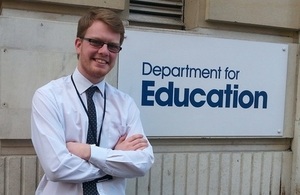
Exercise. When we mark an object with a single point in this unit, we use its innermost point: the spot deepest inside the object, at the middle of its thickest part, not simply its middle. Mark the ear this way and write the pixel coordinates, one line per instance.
(78, 43)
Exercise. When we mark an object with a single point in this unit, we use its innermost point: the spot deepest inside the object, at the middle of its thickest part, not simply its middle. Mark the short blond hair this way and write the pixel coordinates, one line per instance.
(107, 16)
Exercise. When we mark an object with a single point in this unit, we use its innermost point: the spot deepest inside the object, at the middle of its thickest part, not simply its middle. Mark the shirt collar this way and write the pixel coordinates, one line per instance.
(83, 83)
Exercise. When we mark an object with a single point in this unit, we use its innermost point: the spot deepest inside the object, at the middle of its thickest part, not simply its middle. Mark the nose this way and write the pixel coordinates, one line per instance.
(103, 49)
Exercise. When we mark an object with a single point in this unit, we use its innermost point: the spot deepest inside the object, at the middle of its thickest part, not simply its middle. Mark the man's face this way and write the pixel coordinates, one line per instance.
(94, 61)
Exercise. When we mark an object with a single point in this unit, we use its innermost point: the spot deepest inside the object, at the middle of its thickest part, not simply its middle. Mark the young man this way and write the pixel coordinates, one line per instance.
(64, 121)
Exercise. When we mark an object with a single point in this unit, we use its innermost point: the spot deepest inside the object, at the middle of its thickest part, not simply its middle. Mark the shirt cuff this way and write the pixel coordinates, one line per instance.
(98, 157)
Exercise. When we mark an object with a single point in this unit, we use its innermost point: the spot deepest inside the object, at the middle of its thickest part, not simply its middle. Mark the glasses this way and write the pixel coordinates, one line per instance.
(112, 47)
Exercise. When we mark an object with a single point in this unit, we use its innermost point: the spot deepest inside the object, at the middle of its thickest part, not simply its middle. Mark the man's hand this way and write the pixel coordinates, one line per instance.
(81, 150)
(134, 142)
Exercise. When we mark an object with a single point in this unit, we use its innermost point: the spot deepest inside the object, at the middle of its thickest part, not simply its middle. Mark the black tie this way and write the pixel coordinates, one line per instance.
(90, 188)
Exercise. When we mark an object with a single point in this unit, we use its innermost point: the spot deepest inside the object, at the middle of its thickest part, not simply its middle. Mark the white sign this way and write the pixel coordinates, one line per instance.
(191, 85)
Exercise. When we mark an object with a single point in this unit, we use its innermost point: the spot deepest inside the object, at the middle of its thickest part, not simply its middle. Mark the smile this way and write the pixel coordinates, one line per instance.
(101, 61)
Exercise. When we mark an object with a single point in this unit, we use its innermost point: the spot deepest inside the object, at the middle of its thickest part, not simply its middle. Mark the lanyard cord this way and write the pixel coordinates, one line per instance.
(104, 109)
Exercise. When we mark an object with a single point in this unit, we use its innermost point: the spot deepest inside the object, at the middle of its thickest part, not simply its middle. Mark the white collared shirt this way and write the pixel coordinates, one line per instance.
(59, 117)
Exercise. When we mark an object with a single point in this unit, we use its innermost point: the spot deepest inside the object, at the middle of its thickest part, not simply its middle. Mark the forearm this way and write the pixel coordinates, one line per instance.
(131, 157)
(119, 163)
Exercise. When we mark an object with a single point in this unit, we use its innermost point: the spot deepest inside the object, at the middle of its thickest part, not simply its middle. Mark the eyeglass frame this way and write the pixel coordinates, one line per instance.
(98, 43)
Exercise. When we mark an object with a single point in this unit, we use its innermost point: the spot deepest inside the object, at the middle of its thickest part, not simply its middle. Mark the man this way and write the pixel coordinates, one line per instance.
(66, 117)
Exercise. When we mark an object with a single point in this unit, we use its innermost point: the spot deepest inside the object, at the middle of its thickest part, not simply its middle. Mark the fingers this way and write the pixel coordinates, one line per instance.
(141, 146)
(122, 138)
(119, 145)
(135, 137)
(134, 142)
(138, 142)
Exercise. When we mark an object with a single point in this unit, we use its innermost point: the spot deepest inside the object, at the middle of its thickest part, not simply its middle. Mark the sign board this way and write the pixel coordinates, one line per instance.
(192, 85)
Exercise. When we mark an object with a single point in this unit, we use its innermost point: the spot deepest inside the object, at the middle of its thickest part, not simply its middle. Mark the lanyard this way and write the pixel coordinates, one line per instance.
(104, 109)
